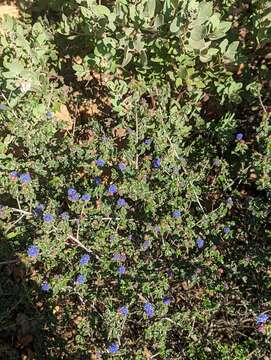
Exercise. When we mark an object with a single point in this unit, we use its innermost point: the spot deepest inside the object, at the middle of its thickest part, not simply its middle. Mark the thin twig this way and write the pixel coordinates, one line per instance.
(15, 222)
(261, 102)
(7, 262)
(21, 211)
(13, 112)
(136, 161)
(82, 245)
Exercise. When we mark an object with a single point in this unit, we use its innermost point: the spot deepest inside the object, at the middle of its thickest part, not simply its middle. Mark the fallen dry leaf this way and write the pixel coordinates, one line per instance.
(119, 132)
(147, 353)
(10, 10)
(24, 341)
(64, 116)
(89, 107)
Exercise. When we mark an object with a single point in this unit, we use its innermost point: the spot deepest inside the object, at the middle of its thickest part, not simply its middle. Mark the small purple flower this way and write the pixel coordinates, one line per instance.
(239, 136)
(85, 197)
(112, 189)
(113, 348)
(216, 162)
(64, 216)
(48, 217)
(50, 114)
(73, 195)
(14, 175)
(119, 257)
(176, 213)
(146, 244)
(149, 309)
(157, 229)
(122, 270)
(123, 310)
(97, 180)
(262, 319)
(200, 243)
(33, 251)
(45, 287)
(121, 166)
(3, 107)
(25, 178)
(226, 230)
(112, 237)
(156, 163)
(121, 202)
(166, 300)
(80, 279)
(84, 260)
(100, 162)
(147, 141)
(38, 209)
(71, 192)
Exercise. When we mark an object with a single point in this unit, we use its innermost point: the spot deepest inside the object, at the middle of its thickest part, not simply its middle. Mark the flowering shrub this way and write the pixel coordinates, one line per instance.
(141, 222)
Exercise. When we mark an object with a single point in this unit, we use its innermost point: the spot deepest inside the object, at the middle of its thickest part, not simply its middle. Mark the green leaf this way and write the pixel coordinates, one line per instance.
(100, 10)
(12, 235)
(150, 8)
(175, 25)
(223, 45)
(205, 10)
(197, 33)
(229, 55)
(139, 44)
(197, 44)
(127, 57)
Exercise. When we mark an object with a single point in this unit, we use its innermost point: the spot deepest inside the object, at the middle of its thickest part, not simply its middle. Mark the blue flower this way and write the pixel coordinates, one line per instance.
(3, 107)
(121, 166)
(112, 237)
(38, 209)
(64, 216)
(176, 213)
(80, 279)
(71, 192)
(50, 114)
(226, 230)
(113, 348)
(25, 178)
(262, 319)
(119, 257)
(45, 287)
(73, 195)
(200, 243)
(48, 217)
(239, 136)
(14, 175)
(147, 141)
(123, 310)
(166, 300)
(149, 309)
(122, 270)
(112, 189)
(157, 229)
(84, 259)
(85, 197)
(156, 163)
(100, 162)
(33, 251)
(121, 202)
(146, 244)
(97, 180)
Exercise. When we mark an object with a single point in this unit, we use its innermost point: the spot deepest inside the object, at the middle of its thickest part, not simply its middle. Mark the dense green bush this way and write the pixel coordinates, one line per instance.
(135, 178)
